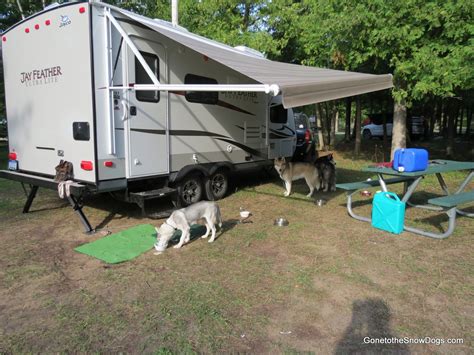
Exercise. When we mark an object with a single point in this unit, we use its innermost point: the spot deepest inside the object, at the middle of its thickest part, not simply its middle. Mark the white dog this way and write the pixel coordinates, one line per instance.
(183, 219)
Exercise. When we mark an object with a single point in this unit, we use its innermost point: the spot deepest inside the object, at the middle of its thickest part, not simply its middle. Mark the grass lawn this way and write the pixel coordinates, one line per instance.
(321, 285)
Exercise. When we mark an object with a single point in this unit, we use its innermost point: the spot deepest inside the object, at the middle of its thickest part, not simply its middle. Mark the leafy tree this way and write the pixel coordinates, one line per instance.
(427, 45)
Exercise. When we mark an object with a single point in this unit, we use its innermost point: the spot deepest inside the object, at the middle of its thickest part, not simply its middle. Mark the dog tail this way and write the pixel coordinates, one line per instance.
(219, 217)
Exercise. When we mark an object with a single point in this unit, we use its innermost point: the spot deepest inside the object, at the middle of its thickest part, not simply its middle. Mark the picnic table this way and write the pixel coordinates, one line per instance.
(447, 204)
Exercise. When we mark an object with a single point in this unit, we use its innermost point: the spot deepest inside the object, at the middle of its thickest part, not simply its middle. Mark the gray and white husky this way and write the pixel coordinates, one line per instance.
(183, 218)
(290, 172)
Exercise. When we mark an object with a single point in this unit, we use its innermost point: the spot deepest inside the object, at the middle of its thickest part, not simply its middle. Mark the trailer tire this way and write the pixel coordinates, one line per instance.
(217, 185)
(189, 190)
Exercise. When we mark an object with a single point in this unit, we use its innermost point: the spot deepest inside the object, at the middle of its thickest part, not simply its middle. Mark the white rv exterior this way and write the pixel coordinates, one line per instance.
(61, 67)
(147, 108)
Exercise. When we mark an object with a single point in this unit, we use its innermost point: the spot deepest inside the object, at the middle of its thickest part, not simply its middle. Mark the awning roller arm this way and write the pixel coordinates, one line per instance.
(268, 89)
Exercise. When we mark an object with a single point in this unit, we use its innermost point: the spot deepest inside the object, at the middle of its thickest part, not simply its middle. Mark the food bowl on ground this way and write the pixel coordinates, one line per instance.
(320, 202)
(244, 214)
(281, 222)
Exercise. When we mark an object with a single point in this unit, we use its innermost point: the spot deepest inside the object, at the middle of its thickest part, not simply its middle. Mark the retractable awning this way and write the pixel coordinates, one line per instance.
(299, 85)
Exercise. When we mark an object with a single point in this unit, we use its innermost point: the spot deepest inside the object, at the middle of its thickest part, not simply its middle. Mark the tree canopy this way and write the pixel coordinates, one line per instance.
(428, 45)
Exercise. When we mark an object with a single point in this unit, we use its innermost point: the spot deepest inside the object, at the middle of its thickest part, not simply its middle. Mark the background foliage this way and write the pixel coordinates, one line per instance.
(428, 46)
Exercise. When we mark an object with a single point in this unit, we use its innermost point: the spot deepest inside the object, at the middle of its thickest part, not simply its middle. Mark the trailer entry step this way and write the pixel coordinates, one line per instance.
(140, 197)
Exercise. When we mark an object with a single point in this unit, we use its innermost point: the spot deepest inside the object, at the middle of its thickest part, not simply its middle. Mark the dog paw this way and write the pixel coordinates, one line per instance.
(157, 253)
(204, 236)
(210, 240)
(177, 246)
(286, 194)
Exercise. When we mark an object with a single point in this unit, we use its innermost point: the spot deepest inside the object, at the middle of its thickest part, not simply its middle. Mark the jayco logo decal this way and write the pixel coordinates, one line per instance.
(64, 21)
(41, 76)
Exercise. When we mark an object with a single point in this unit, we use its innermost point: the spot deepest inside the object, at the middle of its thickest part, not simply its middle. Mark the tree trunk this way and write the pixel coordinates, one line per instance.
(335, 118)
(451, 132)
(436, 117)
(347, 131)
(328, 120)
(20, 9)
(385, 140)
(443, 127)
(319, 127)
(468, 123)
(323, 121)
(461, 117)
(357, 128)
(399, 127)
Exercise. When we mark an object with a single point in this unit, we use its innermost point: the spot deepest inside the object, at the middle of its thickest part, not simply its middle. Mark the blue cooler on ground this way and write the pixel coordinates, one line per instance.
(388, 212)
(410, 159)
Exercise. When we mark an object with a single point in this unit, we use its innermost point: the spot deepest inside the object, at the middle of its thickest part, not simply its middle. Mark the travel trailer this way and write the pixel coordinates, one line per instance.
(144, 108)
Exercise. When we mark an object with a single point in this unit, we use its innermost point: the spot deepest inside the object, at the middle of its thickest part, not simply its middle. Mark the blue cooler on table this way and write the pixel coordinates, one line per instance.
(410, 159)
(388, 212)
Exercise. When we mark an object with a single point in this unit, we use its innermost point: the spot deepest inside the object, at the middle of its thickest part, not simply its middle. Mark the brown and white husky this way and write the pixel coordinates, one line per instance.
(290, 172)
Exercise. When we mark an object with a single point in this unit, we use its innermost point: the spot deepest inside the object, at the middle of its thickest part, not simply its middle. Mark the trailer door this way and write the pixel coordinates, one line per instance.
(147, 123)
(282, 135)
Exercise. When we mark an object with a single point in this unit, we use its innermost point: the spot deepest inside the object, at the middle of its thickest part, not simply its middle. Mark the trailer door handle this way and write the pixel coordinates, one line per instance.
(124, 110)
(133, 110)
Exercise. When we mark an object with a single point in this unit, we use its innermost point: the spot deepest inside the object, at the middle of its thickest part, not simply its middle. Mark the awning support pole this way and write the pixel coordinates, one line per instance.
(133, 48)
(110, 112)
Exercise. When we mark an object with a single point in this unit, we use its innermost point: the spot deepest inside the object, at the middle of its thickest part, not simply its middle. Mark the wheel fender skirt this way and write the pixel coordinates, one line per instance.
(186, 170)
(221, 165)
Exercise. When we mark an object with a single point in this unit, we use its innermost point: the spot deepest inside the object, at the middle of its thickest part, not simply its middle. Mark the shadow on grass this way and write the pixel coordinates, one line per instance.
(370, 323)
(198, 230)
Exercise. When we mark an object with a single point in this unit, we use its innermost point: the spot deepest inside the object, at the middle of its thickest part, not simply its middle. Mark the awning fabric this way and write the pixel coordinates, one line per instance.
(299, 85)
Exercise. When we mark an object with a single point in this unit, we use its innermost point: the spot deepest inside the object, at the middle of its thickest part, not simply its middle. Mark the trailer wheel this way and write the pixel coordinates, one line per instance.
(217, 185)
(190, 191)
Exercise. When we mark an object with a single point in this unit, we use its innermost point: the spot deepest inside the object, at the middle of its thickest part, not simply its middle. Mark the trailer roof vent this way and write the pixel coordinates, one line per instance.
(169, 24)
(51, 6)
(250, 51)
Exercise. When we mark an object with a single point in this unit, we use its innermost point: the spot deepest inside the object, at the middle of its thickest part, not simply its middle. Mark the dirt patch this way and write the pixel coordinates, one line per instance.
(321, 284)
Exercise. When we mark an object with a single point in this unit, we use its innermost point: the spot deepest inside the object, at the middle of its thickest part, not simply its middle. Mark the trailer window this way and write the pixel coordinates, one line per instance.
(81, 131)
(278, 114)
(141, 77)
(201, 97)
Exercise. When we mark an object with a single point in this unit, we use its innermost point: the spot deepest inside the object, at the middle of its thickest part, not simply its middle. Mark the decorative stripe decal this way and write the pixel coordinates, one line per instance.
(219, 103)
(288, 128)
(177, 132)
(232, 107)
(191, 133)
(279, 134)
(45, 148)
(243, 147)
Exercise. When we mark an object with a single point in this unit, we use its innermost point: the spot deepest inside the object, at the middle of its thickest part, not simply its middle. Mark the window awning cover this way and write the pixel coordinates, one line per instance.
(299, 85)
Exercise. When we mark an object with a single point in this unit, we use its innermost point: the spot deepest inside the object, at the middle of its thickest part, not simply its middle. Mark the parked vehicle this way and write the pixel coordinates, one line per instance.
(143, 108)
(305, 142)
(375, 130)
(417, 126)
(373, 126)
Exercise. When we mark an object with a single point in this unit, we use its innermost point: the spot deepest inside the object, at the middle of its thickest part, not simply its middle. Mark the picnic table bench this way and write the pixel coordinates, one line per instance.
(447, 204)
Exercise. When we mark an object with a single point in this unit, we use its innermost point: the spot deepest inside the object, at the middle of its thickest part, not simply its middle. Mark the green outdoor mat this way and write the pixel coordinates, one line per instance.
(121, 246)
